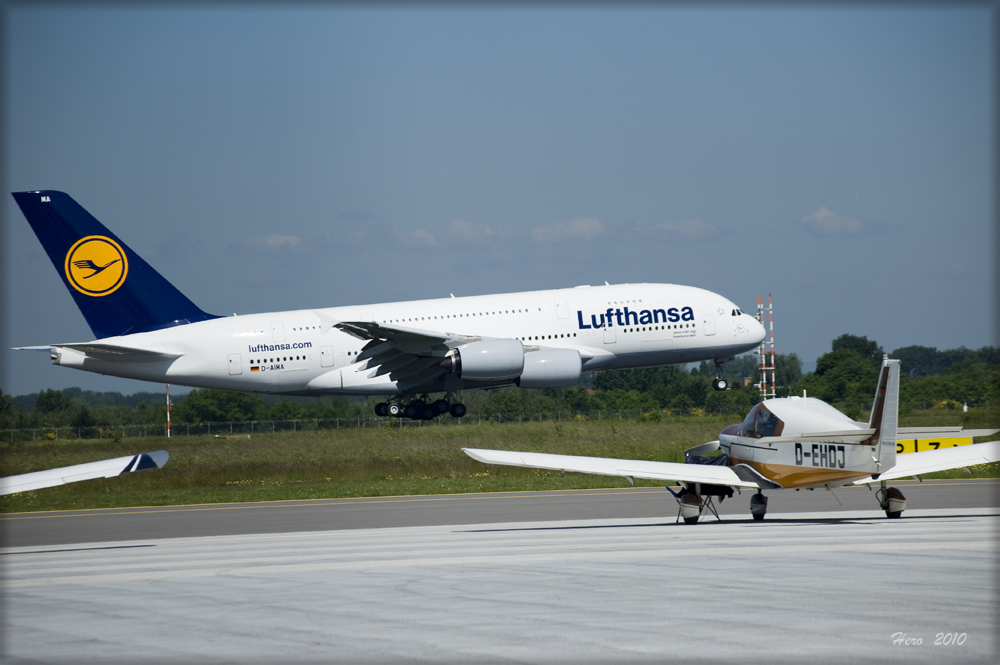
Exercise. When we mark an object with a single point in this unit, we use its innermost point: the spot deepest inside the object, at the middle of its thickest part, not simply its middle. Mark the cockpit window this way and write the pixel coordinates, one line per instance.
(747, 428)
(760, 422)
(768, 424)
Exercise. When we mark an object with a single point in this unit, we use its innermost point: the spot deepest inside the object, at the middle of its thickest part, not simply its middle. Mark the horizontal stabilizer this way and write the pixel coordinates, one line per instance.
(119, 352)
(929, 461)
(905, 433)
(691, 473)
(71, 474)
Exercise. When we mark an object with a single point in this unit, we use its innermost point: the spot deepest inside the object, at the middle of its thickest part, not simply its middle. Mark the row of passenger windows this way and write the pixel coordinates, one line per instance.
(457, 316)
(261, 361)
(673, 327)
(529, 338)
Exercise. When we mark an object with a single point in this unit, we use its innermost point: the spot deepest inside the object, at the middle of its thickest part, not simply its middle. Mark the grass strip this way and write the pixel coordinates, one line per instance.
(386, 461)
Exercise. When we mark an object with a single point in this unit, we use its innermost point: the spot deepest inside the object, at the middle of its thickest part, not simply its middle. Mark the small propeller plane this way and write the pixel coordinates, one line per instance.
(784, 443)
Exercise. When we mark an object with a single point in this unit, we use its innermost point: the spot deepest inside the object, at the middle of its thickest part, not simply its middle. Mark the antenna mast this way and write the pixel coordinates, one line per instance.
(767, 389)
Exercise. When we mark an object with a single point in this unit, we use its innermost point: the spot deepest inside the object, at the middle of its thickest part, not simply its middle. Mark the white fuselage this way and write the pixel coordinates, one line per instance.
(298, 352)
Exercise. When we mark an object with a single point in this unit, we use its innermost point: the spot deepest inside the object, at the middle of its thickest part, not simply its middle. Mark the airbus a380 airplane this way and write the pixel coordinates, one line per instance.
(146, 329)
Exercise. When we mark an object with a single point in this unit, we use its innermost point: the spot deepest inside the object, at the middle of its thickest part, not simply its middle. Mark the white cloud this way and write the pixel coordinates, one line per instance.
(416, 238)
(577, 229)
(826, 222)
(477, 233)
(275, 241)
(688, 229)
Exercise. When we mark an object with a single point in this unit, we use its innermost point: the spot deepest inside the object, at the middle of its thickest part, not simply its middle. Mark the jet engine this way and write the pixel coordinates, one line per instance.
(551, 368)
(488, 360)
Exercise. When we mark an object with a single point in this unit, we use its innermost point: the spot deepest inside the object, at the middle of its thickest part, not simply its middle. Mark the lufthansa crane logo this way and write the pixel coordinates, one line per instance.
(96, 265)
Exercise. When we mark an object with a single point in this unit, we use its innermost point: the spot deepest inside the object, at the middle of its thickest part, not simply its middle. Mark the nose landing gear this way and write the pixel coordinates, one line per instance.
(719, 383)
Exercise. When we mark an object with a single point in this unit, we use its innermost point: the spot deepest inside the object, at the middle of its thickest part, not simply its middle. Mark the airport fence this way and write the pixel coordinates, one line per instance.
(238, 428)
(249, 427)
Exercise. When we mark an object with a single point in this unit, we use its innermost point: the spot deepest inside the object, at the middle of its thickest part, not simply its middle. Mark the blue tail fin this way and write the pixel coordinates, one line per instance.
(117, 292)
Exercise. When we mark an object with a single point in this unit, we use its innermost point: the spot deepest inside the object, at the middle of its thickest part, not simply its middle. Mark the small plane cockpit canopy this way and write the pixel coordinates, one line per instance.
(760, 422)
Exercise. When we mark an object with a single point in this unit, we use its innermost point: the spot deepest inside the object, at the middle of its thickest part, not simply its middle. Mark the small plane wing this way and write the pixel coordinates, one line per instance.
(70, 474)
(914, 464)
(602, 466)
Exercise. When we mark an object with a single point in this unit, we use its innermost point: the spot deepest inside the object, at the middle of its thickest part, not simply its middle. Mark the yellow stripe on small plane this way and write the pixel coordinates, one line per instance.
(921, 445)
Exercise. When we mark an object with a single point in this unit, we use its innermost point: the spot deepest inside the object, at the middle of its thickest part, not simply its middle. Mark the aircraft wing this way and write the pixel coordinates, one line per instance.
(603, 466)
(408, 355)
(914, 464)
(70, 474)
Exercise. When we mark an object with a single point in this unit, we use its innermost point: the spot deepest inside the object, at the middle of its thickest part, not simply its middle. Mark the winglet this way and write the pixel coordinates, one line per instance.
(70, 474)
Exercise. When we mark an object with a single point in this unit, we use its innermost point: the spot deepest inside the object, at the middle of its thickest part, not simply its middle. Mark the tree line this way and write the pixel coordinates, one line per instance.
(844, 377)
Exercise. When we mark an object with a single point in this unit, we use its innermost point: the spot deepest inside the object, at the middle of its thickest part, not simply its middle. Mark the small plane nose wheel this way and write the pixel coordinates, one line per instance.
(891, 500)
(758, 506)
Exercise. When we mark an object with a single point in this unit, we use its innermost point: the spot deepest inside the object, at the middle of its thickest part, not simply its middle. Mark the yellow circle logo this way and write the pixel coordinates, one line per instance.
(96, 266)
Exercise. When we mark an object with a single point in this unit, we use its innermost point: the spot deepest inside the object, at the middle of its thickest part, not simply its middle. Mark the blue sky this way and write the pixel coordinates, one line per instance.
(264, 158)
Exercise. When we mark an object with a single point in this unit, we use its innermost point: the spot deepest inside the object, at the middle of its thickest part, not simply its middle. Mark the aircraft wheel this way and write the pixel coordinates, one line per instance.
(410, 410)
(893, 514)
(441, 406)
(758, 506)
(720, 384)
(430, 413)
(691, 520)
(381, 409)
(457, 410)
(396, 410)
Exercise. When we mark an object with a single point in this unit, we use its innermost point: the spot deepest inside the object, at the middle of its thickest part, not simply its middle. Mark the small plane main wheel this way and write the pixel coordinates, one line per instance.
(457, 410)
(893, 514)
(758, 506)
(441, 406)
(720, 384)
(691, 520)
(381, 409)
(396, 410)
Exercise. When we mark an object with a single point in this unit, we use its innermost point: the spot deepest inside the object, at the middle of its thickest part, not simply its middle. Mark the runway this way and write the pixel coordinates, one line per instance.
(86, 526)
(831, 586)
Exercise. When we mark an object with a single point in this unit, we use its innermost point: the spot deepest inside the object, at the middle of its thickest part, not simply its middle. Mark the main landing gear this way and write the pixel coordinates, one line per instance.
(891, 500)
(695, 498)
(758, 506)
(420, 409)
